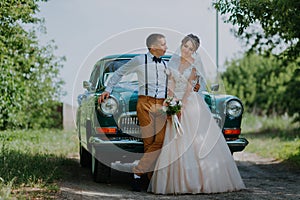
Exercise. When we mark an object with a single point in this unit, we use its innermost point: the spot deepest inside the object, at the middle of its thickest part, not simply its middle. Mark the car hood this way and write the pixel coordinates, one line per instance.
(127, 97)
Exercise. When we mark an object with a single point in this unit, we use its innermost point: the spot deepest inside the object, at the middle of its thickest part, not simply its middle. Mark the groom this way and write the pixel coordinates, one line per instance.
(150, 69)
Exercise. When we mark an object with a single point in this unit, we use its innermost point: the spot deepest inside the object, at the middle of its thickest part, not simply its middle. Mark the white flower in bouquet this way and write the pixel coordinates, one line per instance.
(164, 108)
(172, 106)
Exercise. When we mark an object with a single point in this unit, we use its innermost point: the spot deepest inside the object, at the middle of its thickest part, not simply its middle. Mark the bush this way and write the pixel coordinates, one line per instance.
(266, 85)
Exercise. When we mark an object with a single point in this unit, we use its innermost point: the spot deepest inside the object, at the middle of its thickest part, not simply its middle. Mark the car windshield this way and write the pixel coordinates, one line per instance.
(111, 66)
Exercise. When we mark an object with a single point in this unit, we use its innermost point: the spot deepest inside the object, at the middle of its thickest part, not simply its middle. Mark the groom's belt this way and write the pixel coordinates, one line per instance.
(144, 97)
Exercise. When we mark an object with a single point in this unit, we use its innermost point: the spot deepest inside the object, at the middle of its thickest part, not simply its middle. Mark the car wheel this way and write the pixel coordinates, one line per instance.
(85, 158)
(100, 172)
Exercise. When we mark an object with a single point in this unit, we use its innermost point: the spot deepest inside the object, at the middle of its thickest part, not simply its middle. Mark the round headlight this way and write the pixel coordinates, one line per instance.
(109, 106)
(234, 108)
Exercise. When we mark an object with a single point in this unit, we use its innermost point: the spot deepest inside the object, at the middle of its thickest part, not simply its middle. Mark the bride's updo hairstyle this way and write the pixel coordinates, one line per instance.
(193, 38)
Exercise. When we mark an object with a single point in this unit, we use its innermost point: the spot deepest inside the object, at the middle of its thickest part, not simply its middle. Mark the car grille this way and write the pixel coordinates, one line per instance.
(128, 123)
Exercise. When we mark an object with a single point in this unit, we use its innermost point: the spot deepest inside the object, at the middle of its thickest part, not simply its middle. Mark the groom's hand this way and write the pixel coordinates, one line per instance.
(103, 96)
(196, 87)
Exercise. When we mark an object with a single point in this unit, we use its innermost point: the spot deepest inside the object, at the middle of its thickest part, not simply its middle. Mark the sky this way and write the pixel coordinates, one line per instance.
(86, 30)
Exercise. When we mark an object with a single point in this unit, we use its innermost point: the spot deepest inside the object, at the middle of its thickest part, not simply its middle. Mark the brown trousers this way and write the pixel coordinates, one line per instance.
(153, 125)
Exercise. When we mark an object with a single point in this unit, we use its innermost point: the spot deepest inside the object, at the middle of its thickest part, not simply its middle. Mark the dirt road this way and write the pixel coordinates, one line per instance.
(264, 178)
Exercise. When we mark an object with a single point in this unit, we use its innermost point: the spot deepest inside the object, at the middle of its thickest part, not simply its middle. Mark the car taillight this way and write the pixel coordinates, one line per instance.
(106, 130)
(235, 131)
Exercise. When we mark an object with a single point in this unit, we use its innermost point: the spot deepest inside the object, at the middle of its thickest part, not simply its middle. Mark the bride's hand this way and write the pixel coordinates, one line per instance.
(196, 87)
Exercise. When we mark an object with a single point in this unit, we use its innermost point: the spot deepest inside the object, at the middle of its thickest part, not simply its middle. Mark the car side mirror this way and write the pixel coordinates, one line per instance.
(214, 87)
(87, 85)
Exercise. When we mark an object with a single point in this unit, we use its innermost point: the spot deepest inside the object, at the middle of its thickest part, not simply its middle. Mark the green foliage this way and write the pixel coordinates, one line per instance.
(34, 159)
(293, 95)
(265, 85)
(269, 28)
(267, 25)
(5, 189)
(30, 83)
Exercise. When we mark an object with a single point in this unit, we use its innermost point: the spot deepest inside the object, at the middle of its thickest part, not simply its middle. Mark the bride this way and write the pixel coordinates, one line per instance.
(196, 159)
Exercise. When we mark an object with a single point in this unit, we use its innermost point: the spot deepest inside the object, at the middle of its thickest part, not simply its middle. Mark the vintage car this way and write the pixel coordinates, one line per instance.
(109, 132)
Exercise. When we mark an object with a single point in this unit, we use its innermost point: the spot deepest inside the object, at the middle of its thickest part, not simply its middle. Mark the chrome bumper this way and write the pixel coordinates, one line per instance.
(96, 140)
(237, 145)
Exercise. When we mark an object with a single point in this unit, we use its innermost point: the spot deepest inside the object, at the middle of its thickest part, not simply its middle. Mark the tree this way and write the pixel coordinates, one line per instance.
(30, 83)
(269, 26)
(293, 95)
(264, 85)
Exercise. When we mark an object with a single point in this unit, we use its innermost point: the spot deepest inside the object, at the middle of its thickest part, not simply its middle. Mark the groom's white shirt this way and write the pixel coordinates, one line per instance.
(156, 75)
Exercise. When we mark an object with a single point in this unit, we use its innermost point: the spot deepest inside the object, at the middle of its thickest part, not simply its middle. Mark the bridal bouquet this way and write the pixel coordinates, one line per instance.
(172, 107)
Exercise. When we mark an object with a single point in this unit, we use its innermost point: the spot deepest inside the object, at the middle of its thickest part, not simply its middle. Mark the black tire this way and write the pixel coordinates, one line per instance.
(100, 172)
(85, 158)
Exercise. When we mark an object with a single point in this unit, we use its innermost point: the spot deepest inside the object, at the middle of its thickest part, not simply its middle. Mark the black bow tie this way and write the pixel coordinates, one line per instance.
(155, 59)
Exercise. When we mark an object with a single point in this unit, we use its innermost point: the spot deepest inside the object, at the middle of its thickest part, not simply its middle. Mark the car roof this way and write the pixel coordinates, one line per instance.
(124, 56)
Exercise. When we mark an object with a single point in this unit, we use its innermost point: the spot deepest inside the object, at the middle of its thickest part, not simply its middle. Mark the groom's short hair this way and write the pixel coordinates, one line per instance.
(153, 38)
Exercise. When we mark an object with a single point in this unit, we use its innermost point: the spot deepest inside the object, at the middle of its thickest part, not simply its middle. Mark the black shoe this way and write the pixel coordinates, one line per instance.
(136, 184)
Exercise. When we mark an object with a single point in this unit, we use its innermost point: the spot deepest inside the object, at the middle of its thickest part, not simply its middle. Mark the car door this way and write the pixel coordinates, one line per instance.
(87, 106)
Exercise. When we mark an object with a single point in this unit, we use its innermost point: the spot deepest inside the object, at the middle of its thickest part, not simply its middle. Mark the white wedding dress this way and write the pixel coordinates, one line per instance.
(199, 160)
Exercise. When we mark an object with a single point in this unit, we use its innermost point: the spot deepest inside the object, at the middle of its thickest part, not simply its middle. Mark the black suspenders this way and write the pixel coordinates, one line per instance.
(166, 89)
(146, 78)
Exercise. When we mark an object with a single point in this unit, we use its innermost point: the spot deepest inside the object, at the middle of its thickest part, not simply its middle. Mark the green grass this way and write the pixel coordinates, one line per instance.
(275, 137)
(32, 162)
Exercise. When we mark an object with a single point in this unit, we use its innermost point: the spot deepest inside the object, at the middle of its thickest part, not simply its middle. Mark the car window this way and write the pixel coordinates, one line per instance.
(113, 65)
(95, 76)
